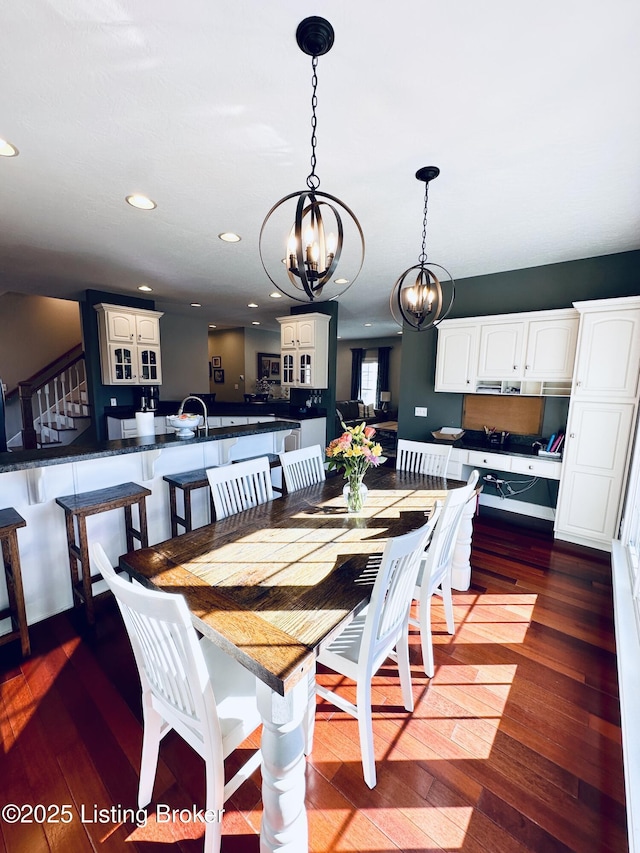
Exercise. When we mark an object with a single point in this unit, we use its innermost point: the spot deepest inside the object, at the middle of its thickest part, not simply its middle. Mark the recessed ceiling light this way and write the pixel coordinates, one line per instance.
(140, 201)
(342, 281)
(275, 295)
(7, 149)
(251, 305)
(255, 322)
(368, 324)
(212, 326)
(196, 304)
(229, 237)
(145, 287)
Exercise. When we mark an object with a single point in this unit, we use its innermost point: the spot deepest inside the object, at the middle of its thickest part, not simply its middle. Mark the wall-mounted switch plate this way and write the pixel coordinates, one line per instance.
(420, 411)
(236, 386)
(114, 402)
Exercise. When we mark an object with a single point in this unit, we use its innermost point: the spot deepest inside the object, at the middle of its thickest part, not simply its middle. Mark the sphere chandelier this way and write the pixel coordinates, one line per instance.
(424, 300)
(316, 231)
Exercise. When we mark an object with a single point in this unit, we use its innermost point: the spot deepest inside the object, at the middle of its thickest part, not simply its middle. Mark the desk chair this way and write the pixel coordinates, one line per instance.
(361, 648)
(419, 457)
(190, 686)
(302, 467)
(434, 574)
(240, 486)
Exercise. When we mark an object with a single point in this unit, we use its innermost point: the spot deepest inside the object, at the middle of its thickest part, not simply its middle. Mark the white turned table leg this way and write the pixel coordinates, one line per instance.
(461, 564)
(284, 817)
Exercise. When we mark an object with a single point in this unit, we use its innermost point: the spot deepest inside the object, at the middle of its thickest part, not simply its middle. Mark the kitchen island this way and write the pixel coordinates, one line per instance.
(31, 480)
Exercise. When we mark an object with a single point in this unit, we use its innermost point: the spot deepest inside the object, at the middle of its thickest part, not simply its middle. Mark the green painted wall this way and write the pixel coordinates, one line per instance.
(533, 289)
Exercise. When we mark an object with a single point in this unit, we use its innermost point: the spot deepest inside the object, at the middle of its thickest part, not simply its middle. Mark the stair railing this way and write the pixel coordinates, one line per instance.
(49, 388)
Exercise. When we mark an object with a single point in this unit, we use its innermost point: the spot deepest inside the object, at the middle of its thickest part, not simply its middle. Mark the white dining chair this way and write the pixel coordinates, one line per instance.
(189, 686)
(240, 486)
(420, 457)
(434, 574)
(361, 648)
(302, 467)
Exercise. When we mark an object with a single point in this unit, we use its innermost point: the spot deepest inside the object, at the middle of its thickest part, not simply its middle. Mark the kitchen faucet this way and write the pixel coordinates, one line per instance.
(204, 408)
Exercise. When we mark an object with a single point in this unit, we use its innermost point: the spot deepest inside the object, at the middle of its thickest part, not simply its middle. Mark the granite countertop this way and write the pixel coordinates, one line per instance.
(24, 459)
(515, 445)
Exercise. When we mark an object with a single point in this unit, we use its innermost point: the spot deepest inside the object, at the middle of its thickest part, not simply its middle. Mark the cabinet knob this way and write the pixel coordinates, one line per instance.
(515, 366)
(578, 384)
(527, 367)
(572, 435)
(468, 382)
(531, 467)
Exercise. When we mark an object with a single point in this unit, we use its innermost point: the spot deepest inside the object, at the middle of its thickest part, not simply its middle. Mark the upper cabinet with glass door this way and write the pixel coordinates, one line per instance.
(129, 345)
(304, 341)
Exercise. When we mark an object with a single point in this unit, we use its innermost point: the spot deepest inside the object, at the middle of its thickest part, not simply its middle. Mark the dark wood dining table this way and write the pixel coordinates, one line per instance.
(272, 586)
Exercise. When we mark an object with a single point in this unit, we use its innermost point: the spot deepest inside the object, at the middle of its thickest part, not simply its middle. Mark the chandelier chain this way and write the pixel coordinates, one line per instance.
(313, 181)
(423, 254)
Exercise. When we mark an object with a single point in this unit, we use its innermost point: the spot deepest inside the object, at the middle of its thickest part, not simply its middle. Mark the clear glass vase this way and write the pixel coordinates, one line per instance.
(355, 493)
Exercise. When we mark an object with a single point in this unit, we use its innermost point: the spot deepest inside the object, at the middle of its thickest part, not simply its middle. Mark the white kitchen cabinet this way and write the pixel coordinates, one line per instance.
(501, 350)
(551, 349)
(529, 354)
(602, 418)
(609, 355)
(594, 463)
(129, 345)
(457, 358)
(304, 340)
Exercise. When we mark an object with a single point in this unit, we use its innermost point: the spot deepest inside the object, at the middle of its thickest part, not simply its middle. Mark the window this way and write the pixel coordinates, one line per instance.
(369, 381)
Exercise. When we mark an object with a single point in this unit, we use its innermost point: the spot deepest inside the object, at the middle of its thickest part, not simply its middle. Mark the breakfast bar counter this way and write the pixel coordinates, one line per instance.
(31, 480)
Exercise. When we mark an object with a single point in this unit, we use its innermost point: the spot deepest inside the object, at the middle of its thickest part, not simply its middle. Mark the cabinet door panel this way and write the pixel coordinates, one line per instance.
(551, 349)
(456, 359)
(288, 335)
(306, 333)
(147, 330)
(122, 365)
(593, 469)
(120, 326)
(609, 355)
(501, 349)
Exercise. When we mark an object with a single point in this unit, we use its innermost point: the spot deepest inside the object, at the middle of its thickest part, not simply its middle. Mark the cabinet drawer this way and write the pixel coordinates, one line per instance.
(547, 468)
(479, 459)
(232, 421)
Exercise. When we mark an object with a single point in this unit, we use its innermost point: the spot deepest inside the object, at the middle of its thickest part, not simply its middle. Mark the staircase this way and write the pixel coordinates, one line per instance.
(54, 404)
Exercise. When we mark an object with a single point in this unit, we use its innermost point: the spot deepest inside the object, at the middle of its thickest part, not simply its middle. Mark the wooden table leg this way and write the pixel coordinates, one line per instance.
(284, 818)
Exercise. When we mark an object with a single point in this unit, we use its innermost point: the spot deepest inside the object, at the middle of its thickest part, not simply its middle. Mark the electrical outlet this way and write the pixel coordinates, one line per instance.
(420, 411)
(114, 402)
(236, 386)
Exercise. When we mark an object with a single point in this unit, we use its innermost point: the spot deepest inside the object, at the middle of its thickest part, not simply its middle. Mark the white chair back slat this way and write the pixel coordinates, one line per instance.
(181, 678)
(303, 467)
(419, 457)
(240, 486)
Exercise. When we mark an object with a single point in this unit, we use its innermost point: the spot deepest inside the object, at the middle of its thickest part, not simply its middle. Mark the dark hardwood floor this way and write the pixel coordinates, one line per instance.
(514, 745)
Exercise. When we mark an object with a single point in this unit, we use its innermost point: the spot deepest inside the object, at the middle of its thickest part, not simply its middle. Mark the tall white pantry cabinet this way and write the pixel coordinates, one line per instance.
(602, 418)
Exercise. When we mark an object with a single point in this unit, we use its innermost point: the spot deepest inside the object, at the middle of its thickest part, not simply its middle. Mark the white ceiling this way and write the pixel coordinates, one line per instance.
(530, 111)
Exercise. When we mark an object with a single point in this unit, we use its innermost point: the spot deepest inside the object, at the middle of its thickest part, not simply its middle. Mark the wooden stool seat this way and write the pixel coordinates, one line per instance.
(187, 481)
(10, 521)
(78, 507)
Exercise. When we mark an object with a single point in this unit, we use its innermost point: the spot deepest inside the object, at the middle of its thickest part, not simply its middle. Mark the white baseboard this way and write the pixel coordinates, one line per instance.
(548, 513)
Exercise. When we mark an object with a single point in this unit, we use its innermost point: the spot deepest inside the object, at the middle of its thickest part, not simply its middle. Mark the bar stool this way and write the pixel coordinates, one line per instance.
(78, 507)
(10, 521)
(187, 481)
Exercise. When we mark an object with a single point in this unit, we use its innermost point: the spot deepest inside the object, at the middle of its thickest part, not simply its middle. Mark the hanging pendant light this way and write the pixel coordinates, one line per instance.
(316, 231)
(424, 300)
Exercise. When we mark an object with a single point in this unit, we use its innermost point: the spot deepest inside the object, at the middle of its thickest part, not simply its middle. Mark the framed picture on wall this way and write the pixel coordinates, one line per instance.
(269, 367)
(218, 375)
(216, 361)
